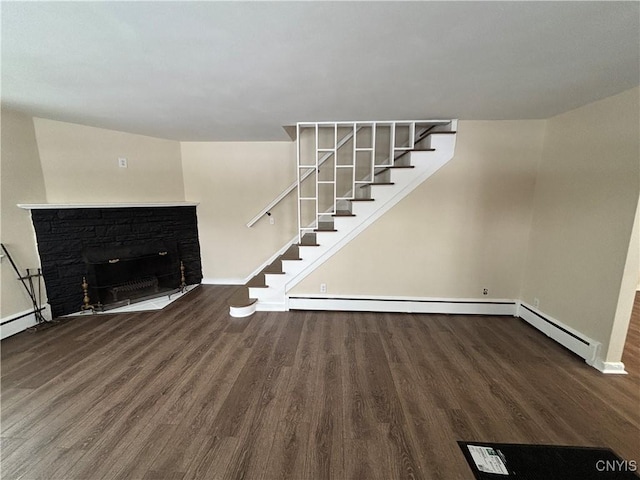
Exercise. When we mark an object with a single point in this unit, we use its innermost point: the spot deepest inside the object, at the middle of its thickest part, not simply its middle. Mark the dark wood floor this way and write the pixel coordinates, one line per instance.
(631, 354)
(191, 393)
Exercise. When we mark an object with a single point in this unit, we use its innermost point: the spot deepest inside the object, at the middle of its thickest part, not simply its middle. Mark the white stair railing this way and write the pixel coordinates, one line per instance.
(294, 185)
(373, 145)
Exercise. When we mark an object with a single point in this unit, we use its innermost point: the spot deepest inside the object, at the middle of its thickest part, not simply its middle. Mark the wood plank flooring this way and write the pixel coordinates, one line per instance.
(631, 353)
(191, 393)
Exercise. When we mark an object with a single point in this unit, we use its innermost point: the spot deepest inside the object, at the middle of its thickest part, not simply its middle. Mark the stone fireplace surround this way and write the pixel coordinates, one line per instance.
(64, 234)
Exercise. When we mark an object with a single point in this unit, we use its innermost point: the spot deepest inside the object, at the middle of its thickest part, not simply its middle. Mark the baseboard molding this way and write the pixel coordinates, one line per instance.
(270, 307)
(402, 304)
(20, 321)
(570, 338)
(223, 281)
(610, 368)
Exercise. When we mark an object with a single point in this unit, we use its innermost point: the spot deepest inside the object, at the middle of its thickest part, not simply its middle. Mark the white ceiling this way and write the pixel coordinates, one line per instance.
(241, 71)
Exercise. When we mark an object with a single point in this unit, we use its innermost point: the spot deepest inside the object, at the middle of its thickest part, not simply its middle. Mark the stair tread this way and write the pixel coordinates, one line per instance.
(308, 240)
(273, 267)
(377, 183)
(291, 253)
(256, 282)
(240, 298)
(414, 150)
(343, 213)
(325, 226)
(394, 166)
(383, 169)
(273, 271)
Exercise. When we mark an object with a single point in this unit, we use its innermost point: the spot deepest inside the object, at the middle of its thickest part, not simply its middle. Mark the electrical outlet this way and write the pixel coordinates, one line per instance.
(323, 288)
(485, 291)
(122, 162)
(536, 303)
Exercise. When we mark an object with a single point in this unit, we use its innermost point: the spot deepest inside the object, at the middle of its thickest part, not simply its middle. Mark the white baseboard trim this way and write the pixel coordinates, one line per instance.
(270, 307)
(610, 368)
(223, 281)
(403, 304)
(20, 321)
(568, 337)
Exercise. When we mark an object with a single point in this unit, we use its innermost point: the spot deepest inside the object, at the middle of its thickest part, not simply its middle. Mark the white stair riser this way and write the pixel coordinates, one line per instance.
(325, 237)
(309, 253)
(267, 294)
(292, 266)
(400, 175)
(340, 223)
(440, 142)
(275, 280)
(271, 306)
(366, 208)
(240, 312)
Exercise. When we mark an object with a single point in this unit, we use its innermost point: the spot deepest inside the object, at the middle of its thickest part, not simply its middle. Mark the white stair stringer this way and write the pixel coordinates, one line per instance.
(426, 163)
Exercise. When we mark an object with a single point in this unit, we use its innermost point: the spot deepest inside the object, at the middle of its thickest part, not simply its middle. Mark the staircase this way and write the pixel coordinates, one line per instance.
(349, 175)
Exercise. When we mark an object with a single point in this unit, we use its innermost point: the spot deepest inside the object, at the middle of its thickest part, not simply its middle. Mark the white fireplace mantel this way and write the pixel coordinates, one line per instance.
(50, 206)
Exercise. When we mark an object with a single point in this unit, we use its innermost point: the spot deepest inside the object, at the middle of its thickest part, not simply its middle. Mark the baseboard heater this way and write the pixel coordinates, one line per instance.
(404, 305)
(22, 315)
(564, 335)
(20, 321)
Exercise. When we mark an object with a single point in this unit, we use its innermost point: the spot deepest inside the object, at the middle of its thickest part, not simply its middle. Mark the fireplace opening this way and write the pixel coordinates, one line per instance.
(121, 275)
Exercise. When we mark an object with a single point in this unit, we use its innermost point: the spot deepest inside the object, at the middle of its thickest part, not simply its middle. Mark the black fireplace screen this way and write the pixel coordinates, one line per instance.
(126, 273)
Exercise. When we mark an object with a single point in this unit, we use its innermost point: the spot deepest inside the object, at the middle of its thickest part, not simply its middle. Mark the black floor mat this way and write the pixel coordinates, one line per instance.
(546, 462)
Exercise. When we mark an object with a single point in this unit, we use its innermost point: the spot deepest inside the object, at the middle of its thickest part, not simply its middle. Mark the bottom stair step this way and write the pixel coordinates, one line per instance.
(240, 298)
(240, 305)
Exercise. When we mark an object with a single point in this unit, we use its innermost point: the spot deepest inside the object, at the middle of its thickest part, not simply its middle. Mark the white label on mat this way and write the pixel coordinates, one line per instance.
(487, 460)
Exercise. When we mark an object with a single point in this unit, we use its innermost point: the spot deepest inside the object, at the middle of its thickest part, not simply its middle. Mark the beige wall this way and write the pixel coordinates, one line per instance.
(80, 165)
(21, 182)
(585, 200)
(626, 295)
(233, 181)
(462, 230)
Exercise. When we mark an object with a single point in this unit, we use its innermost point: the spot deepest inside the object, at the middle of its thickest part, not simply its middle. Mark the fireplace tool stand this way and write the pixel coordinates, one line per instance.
(36, 300)
(86, 301)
